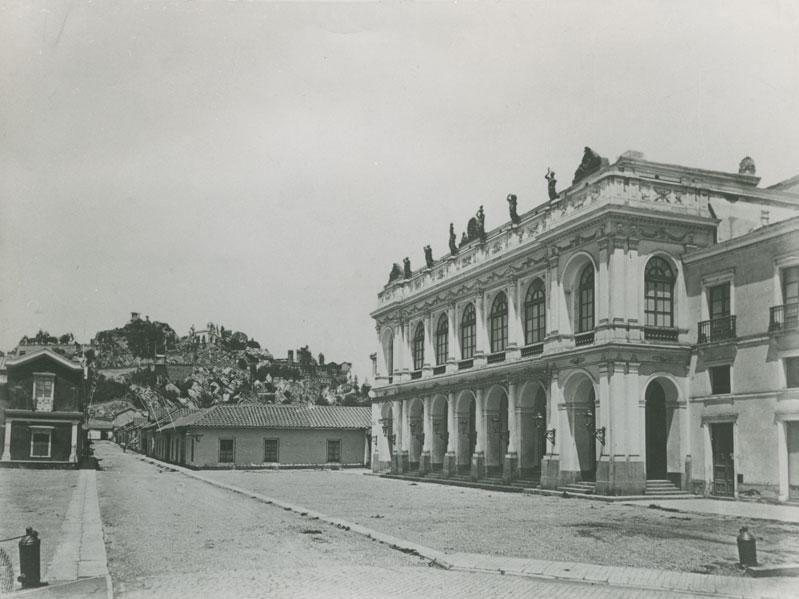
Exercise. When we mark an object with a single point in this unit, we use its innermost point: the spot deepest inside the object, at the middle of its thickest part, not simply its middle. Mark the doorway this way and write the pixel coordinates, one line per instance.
(656, 432)
(792, 436)
(722, 446)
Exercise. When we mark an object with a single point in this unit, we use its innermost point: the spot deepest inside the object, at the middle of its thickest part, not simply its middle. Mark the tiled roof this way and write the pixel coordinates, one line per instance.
(100, 425)
(280, 417)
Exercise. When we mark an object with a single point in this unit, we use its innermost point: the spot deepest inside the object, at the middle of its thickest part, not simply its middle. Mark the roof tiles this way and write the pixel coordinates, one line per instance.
(279, 417)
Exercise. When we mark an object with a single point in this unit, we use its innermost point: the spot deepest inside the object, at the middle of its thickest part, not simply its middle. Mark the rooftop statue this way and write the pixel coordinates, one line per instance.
(591, 163)
(464, 240)
(746, 166)
(396, 273)
(407, 267)
(428, 256)
(551, 182)
(514, 216)
(453, 247)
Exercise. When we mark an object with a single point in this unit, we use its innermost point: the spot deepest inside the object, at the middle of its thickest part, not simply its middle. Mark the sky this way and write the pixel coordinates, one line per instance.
(262, 165)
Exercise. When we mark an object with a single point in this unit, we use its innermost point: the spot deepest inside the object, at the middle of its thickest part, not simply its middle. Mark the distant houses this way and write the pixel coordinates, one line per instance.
(42, 411)
(258, 436)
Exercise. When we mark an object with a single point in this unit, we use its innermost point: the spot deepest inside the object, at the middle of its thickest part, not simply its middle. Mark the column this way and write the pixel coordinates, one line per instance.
(7, 443)
(481, 338)
(452, 339)
(603, 291)
(396, 425)
(427, 445)
(478, 458)
(429, 352)
(449, 458)
(73, 449)
(510, 470)
(635, 430)
(604, 476)
(407, 439)
(634, 291)
(618, 283)
(396, 339)
(554, 301)
(515, 330)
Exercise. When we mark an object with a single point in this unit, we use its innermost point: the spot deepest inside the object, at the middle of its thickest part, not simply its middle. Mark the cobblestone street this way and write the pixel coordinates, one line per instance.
(474, 520)
(169, 535)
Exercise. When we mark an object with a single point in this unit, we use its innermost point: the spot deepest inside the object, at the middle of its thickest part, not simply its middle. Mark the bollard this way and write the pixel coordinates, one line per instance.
(747, 548)
(29, 570)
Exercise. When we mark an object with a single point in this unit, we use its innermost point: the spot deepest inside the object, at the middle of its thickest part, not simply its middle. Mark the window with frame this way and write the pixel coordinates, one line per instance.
(499, 323)
(720, 380)
(535, 313)
(442, 340)
(390, 357)
(585, 300)
(271, 447)
(41, 443)
(334, 450)
(659, 293)
(43, 392)
(790, 285)
(418, 347)
(468, 332)
(226, 451)
(718, 301)
(792, 372)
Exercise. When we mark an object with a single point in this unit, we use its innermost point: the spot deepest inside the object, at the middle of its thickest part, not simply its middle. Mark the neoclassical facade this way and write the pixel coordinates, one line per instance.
(561, 348)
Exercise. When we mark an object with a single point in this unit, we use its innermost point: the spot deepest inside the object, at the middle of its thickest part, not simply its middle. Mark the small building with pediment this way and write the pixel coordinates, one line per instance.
(634, 334)
(43, 415)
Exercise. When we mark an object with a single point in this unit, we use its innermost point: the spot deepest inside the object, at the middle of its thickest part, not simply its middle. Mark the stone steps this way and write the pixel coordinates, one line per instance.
(582, 488)
(662, 487)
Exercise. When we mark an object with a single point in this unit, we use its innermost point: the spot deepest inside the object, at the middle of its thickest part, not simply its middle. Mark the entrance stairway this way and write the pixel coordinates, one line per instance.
(663, 487)
(582, 488)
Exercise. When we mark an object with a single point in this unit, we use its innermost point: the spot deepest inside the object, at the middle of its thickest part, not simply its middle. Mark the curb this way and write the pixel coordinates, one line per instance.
(635, 578)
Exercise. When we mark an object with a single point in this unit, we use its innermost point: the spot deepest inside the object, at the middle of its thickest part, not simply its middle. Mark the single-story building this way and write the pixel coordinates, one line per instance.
(99, 429)
(42, 416)
(252, 436)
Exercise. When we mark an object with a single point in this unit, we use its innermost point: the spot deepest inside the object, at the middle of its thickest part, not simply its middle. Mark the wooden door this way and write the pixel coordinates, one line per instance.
(721, 440)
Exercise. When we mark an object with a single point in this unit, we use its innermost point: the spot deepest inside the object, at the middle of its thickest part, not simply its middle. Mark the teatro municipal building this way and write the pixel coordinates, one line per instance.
(635, 333)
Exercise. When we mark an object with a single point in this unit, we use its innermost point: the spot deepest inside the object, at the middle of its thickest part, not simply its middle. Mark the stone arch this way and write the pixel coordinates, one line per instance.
(387, 358)
(569, 280)
(496, 434)
(581, 395)
(416, 431)
(439, 406)
(662, 435)
(465, 430)
(532, 421)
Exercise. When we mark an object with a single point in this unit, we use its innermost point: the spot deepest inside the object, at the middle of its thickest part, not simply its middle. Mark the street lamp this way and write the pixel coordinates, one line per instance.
(540, 423)
(597, 433)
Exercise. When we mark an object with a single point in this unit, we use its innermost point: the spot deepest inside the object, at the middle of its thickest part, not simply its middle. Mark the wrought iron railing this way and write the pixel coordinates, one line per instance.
(416, 374)
(495, 357)
(717, 329)
(584, 338)
(532, 350)
(465, 364)
(783, 317)
(440, 369)
(661, 333)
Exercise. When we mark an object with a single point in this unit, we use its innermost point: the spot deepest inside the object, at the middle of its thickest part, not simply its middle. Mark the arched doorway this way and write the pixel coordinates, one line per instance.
(497, 436)
(656, 432)
(440, 433)
(582, 413)
(466, 430)
(416, 442)
(532, 420)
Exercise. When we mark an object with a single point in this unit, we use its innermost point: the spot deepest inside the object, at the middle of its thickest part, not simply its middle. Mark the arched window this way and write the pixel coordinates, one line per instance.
(585, 300)
(388, 353)
(535, 313)
(442, 340)
(499, 323)
(659, 293)
(418, 347)
(468, 332)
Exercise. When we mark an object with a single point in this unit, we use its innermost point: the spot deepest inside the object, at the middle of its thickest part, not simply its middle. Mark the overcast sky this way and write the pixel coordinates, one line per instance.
(261, 165)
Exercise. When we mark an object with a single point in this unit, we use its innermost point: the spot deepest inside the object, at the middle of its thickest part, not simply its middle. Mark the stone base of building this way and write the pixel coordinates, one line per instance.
(381, 466)
(414, 466)
(425, 463)
(510, 469)
(450, 467)
(478, 465)
(405, 463)
(623, 477)
(550, 473)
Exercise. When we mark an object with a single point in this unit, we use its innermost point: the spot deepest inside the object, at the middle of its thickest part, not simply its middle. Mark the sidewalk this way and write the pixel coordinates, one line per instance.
(638, 578)
(79, 567)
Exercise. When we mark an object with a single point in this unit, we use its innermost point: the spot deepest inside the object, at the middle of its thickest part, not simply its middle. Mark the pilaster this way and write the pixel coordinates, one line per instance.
(427, 443)
(450, 464)
(510, 470)
(7, 443)
(478, 457)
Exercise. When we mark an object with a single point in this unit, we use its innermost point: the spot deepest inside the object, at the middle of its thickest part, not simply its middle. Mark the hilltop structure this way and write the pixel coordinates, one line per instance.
(637, 332)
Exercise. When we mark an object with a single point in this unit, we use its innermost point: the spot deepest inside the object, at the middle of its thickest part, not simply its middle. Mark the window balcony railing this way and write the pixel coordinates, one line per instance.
(440, 369)
(532, 350)
(465, 364)
(495, 357)
(718, 329)
(416, 374)
(584, 338)
(783, 317)
(661, 334)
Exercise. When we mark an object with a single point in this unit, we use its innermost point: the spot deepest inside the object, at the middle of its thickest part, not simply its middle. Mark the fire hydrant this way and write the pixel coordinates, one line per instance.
(747, 548)
(29, 570)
